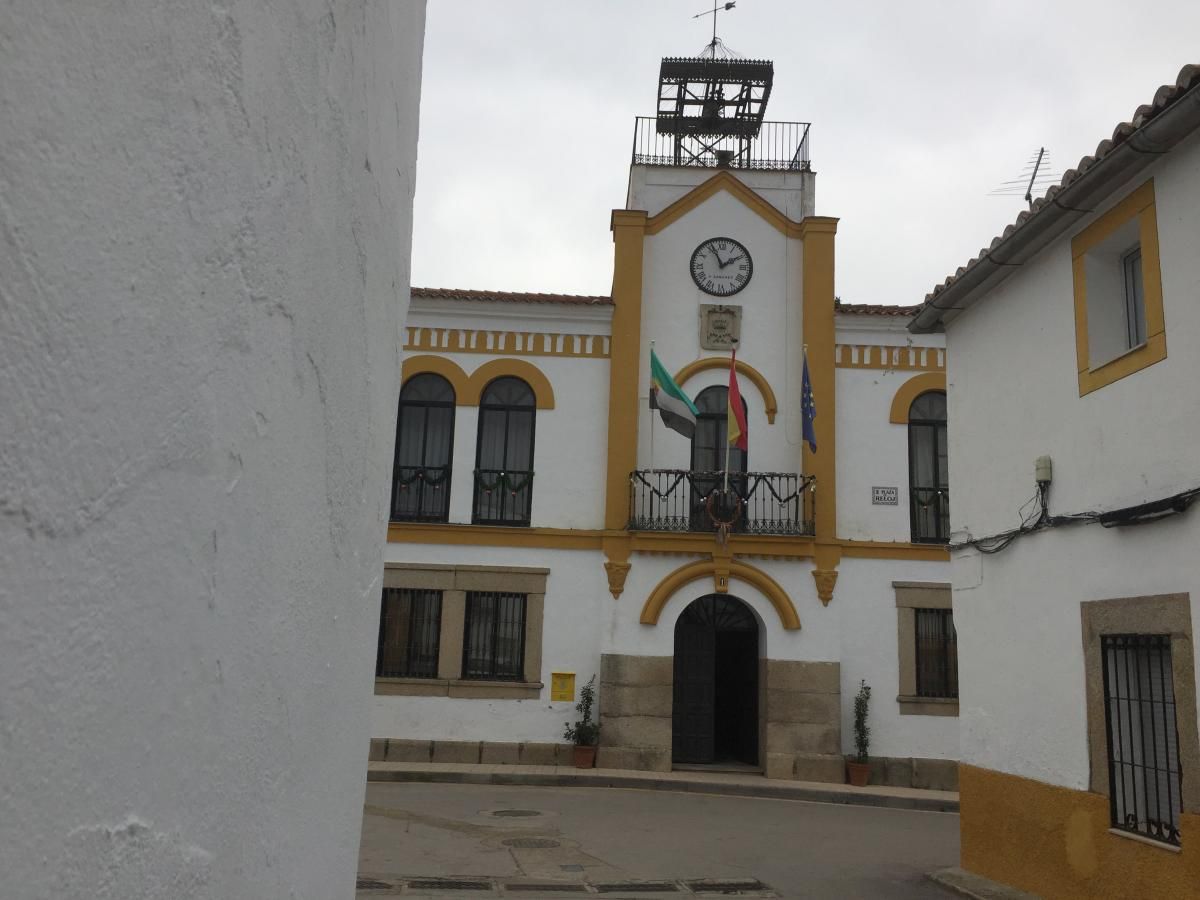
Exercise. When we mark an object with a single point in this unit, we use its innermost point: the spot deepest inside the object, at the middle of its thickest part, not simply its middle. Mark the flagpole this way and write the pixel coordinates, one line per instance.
(728, 409)
(651, 415)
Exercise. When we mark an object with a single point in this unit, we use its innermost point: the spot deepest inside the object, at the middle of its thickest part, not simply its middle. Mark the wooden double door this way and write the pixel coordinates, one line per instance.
(715, 713)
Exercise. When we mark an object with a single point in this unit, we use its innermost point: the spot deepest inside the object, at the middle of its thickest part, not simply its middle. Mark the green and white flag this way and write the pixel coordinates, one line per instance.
(676, 408)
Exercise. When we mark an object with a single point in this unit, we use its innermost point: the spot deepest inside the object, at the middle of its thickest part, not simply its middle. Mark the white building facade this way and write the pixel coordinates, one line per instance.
(547, 526)
(1074, 337)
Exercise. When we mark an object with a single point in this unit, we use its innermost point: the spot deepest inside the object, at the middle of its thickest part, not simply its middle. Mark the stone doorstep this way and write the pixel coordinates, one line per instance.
(968, 884)
(726, 784)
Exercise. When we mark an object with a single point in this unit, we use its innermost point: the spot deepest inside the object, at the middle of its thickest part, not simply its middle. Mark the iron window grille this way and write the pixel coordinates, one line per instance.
(504, 454)
(424, 444)
(937, 654)
(494, 636)
(1143, 741)
(409, 633)
(929, 488)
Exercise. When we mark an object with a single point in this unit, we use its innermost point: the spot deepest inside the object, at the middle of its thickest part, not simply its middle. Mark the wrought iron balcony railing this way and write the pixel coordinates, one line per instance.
(421, 494)
(755, 503)
(502, 497)
(780, 146)
(930, 512)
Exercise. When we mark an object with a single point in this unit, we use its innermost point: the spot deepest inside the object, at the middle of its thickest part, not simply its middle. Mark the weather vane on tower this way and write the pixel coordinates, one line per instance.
(717, 7)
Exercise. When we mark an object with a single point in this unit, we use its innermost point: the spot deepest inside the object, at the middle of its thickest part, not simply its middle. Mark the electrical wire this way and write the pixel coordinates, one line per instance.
(1040, 519)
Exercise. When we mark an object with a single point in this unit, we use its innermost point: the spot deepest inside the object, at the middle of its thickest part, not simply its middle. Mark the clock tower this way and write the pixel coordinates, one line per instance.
(718, 247)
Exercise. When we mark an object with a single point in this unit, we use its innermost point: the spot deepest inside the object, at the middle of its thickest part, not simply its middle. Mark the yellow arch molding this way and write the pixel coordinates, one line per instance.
(438, 365)
(721, 573)
(518, 368)
(911, 390)
(719, 362)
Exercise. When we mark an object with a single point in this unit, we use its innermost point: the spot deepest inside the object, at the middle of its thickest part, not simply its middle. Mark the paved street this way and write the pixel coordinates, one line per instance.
(499, 836)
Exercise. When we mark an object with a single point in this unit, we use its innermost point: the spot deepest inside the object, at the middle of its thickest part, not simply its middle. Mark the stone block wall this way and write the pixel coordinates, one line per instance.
(803, 721)
(635, 697)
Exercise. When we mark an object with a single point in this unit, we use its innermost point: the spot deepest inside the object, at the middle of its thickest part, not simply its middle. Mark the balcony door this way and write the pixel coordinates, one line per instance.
(424, 441)
(504, 454)
(708, 456)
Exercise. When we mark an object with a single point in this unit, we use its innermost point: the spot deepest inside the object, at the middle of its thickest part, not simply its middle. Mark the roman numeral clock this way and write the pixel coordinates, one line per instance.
(721, 266)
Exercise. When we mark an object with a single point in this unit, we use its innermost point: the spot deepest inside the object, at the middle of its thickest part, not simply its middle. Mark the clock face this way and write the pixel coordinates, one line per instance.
(721, 266)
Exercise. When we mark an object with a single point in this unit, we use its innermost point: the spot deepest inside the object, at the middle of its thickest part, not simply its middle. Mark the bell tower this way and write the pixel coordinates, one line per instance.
(711, 114)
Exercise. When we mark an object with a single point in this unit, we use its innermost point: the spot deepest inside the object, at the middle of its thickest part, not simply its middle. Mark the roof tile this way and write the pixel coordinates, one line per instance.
(510, 297)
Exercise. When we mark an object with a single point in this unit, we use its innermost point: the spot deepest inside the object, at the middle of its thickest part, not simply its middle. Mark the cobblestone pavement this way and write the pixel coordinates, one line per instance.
(453, 841)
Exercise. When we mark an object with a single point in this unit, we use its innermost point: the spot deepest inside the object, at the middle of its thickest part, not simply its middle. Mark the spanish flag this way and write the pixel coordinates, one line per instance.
(735, 416)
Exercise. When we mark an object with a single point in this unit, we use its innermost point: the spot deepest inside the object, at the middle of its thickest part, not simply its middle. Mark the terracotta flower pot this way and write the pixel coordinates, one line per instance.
(585, 757)
(859, 773)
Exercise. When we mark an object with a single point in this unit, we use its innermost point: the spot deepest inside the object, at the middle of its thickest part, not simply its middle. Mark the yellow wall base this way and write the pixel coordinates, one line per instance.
(1056, 843)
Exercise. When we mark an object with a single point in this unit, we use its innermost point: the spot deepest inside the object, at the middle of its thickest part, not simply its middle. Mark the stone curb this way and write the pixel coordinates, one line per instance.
(930, 801)
(968, 884)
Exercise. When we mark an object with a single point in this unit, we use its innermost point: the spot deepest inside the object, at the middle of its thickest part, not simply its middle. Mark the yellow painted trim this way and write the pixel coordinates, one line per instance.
(694, 571)
(896, 550)
(438, 365)
(1140, 205)
(770, 405)
(876, 356)
(725, 181)
(701, 544)
(1055, 842)
(508, 343)
(618, 544)
(817, 320)
(911, 390)
(493, 536)
(629, 229)
(518, 368)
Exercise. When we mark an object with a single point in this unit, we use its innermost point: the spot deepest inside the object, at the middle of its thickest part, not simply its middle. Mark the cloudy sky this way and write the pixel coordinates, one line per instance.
(919, 109)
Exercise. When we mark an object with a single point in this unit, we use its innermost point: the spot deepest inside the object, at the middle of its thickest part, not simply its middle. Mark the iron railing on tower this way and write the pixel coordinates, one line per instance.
(777, 146)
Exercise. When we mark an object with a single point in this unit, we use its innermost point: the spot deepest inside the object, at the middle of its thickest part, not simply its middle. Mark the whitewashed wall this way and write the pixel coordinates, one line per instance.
(771, 327)
(206, 225)
(1014, 396)
(653, 188)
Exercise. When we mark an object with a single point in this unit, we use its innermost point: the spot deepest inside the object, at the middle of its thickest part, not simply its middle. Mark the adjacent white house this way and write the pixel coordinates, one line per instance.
(547, 527)
(1074, 422)
(206, 216)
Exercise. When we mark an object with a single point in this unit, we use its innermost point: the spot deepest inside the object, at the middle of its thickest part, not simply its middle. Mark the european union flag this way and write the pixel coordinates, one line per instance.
(808, 409)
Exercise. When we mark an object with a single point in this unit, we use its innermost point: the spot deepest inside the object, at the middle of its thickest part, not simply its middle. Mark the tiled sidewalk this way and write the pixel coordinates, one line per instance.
(727, 783)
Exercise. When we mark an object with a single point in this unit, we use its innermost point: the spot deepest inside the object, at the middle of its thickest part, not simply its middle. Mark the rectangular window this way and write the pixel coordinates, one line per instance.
(494, 641)
(1143, 740)
(1135, 303)
(937, 653)
(409, 632)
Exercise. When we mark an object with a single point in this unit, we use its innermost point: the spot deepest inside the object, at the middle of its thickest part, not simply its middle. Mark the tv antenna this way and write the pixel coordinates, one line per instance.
(717, 7)
(1035, 175)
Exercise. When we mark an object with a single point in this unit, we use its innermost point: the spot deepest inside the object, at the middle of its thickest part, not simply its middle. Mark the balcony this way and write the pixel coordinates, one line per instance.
(776, 146)
(930, 512)
(502, 497)
(679, 500)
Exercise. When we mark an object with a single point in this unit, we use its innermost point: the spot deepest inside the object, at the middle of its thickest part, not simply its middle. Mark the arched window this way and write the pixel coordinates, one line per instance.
(424, 443)
(929, 486)
(504, 458)
(709, 443)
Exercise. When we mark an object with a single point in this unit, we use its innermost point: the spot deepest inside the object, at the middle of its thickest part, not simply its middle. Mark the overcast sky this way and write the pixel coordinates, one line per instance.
(919, 109)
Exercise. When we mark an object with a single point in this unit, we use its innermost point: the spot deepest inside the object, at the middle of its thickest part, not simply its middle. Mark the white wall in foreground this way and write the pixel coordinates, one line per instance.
(206, 222)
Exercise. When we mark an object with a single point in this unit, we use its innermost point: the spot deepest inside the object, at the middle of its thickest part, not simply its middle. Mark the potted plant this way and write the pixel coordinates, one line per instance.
(859, 769)
(585, 733)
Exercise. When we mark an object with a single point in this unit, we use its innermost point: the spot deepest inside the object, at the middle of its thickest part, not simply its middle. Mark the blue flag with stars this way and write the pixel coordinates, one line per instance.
(808, 409)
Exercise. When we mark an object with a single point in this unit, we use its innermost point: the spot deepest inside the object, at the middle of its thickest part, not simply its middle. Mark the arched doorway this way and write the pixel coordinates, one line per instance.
(715, 712)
